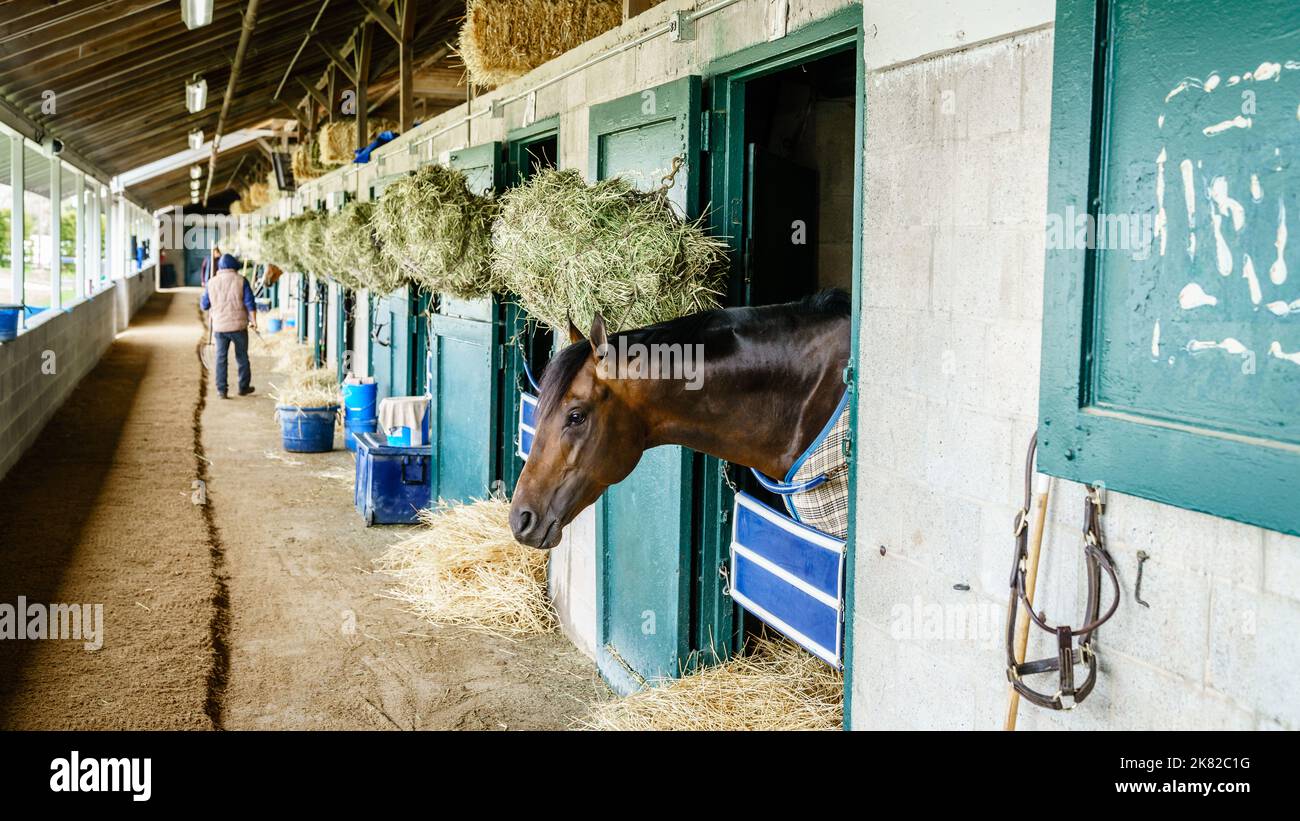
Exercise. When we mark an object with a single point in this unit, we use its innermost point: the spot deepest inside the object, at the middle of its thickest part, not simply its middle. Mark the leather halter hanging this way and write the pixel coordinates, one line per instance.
(1067, 654)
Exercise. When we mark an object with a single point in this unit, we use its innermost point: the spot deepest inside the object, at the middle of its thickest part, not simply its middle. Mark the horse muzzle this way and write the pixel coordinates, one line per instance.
(534, 530)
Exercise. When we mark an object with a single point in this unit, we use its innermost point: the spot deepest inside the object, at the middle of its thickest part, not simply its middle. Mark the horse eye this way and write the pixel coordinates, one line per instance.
(576, 418)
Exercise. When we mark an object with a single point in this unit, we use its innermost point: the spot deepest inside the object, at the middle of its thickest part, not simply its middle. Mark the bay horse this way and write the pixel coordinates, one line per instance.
(771, 378)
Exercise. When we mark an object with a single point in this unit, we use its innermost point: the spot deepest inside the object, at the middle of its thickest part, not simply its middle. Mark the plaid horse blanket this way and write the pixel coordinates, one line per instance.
(825, 507)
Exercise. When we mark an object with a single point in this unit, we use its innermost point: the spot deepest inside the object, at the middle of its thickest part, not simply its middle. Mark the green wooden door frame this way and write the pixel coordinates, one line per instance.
(514, 319)
(1181, 461)
(842, 31)
(304, 293)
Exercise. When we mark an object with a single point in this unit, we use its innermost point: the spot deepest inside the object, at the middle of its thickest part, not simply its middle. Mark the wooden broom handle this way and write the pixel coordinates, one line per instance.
(1031, 582)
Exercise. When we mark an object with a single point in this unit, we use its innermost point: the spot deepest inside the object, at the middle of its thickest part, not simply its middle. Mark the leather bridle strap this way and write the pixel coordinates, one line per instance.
(1067, 653)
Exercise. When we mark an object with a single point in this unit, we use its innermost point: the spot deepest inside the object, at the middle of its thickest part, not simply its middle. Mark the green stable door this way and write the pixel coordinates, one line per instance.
(652, 598)
(464, 361)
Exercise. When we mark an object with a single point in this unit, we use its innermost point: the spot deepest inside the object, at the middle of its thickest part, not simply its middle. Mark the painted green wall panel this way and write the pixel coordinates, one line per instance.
(1167, 346)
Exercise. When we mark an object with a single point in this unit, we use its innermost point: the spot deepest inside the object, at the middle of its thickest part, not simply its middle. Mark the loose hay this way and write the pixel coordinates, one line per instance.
(505, 39)
(777, 686)
(435, 231)
(566, 248)
(310, 388)
(465, 568)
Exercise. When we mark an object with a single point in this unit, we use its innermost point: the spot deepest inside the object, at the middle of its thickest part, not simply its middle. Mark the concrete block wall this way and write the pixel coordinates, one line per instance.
(41, 367)
(955, 198)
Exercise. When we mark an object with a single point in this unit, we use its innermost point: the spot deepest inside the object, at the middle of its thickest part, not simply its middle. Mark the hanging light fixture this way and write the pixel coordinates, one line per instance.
(196, 172)
(196, 13)
(196, 136)
(196, 94)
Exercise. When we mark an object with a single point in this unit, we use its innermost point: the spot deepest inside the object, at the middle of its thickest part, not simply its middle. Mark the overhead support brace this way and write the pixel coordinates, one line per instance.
(245, 35)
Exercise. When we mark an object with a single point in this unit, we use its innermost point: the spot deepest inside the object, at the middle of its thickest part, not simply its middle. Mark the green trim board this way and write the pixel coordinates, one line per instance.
(836, 33)
(1161, 375)
(520, 337)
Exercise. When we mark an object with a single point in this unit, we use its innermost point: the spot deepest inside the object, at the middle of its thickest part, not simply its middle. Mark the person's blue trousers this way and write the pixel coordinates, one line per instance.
(223, 340)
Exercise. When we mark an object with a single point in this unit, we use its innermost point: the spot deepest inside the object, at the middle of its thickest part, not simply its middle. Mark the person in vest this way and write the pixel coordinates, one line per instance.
(229, 298)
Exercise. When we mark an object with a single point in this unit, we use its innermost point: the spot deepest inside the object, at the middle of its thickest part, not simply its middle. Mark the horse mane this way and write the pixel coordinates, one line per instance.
(687, 330)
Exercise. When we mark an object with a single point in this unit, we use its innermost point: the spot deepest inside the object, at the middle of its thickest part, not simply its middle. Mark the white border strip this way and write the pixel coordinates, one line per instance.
(799, 638)
(806, 533)
(786, 576)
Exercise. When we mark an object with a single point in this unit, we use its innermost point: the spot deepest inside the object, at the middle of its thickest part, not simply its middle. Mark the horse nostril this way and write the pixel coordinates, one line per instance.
(521, 521)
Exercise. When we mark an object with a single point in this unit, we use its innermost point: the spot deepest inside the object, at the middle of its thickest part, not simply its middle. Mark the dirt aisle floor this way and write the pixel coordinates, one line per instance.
(99, 511)
(256, 610)
(312, 642)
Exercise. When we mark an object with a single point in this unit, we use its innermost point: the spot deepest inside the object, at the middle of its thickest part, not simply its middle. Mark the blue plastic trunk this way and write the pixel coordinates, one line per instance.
(392, 482)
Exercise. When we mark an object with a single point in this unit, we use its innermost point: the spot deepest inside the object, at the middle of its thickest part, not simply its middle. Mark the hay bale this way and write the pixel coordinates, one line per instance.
(256, 195)
(335, 141)
(237, 208)
(566, 248)
(437, 232)
(777, 686)
(505, 39)
(465, 568)
(300, 162)
(351, 242)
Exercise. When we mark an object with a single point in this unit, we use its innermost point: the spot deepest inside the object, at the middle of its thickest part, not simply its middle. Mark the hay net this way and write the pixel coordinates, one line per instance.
(569, 249)
(353, 249)
(436, 232)
(502, 40)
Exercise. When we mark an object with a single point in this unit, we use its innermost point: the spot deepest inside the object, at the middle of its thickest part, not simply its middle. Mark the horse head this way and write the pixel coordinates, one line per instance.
(589, 436)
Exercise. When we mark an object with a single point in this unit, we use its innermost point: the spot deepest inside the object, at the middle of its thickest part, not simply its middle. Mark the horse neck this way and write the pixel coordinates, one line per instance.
(748, 411)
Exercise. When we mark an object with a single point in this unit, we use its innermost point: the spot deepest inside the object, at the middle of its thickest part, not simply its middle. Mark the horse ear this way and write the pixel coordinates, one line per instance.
(597, 336)
(575, 335)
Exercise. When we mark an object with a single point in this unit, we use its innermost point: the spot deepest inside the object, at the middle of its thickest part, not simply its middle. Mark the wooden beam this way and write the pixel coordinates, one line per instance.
(406, 71)
(337, 59)
(367, 37)
(331, 83)
(315, 93)
(385, 21)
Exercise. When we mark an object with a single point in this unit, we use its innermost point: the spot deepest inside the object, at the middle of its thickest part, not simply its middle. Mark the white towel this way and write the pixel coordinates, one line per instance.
(404, 412)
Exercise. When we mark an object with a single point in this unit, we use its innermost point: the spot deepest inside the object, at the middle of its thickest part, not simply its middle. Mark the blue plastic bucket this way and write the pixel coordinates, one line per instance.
(359, 401)
(307, 430)
(289, 323)
(9, 321)
(273, 325)
(352, 427)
